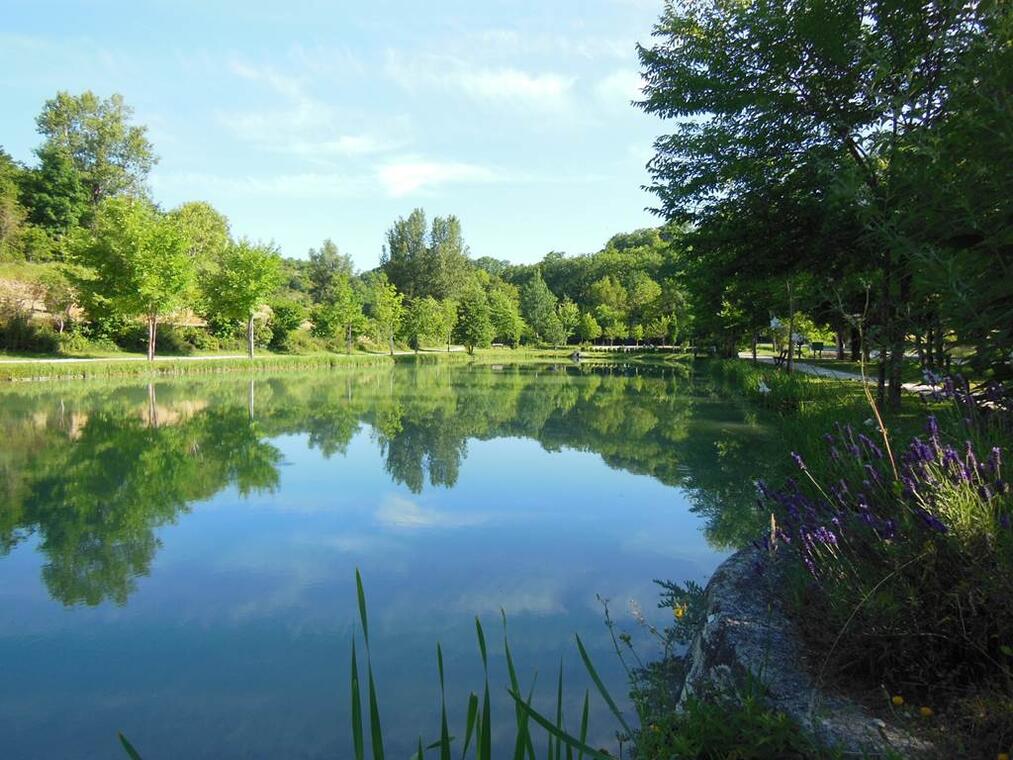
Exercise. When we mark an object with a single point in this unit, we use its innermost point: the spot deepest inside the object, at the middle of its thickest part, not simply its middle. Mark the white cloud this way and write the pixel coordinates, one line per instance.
(303, 125)
(545, 90)
(400, 178)
(620, 87)
(398, 512)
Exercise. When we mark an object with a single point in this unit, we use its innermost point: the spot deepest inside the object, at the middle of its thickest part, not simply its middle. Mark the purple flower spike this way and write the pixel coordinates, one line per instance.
(798, 461)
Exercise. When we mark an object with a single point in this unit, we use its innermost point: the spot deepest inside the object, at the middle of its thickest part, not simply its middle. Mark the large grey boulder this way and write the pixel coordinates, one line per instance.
(747, 638)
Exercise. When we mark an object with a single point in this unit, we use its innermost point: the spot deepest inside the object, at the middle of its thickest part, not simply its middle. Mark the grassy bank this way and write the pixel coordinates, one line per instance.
(128, 365)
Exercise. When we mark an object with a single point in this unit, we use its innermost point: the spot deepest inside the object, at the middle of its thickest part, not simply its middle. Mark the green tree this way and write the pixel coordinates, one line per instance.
(287, 316)
(538, 307)
(328, 271)
(423, 321)
(474, 325)
(505, 315)
(55, 193)
(249, 274)
(136, 263)
(612, 321)
(112, 155)
(58, 296)
(405, 256)
(588, 329)
(206, 231)
(387, 310)
(448, 320)
(569, 318)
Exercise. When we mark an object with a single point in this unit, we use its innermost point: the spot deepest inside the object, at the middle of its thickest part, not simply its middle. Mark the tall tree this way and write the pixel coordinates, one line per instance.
(54, 191)
(249, 274)
(474, 327)
(405, 257)
(136, 263)
(538, 307)
(112, 155)
(388, 310)
(327, 268)
(505, 315)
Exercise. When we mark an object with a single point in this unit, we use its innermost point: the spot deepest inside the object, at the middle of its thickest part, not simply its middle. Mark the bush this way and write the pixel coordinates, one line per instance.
(18, 332)
(903, 564)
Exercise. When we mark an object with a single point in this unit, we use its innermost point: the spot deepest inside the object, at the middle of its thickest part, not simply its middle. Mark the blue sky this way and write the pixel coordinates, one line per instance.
(307, 119)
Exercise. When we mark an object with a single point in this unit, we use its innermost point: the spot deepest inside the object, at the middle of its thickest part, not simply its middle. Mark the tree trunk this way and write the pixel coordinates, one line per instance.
(392, 345)
(249, 336)
(250, 400)
(856, 344)
(898, 334)
(840, 345)
(756, 338)
(152, 335)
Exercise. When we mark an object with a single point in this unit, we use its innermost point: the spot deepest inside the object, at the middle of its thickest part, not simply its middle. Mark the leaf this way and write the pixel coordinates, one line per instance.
(129, 748)
(571, 741)
(357, 734)
(601, 687)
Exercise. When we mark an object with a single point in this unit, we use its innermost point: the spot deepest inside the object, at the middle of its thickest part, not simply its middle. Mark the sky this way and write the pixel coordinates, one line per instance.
(303, 119)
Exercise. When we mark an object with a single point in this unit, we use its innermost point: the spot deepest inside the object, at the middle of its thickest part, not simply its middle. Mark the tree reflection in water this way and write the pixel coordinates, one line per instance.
(94, 470)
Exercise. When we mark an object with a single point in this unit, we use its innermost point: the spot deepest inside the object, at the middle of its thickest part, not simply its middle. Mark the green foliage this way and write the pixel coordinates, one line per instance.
(387, 310)
(248, 274)
(55, 192)
(423, 322)
(505, 315)
(538, 307)
(474, 324)
(111, 155)
(286, 318)
(329, 272)
(136, 263)
(423, 264)
(588, 329)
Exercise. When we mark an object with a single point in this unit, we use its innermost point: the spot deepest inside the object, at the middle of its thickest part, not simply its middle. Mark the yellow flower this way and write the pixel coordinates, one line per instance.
(897, 700)
(925, 712)
(679, 611)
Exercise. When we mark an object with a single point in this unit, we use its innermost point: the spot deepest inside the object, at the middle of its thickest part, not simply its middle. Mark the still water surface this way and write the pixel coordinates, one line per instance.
(177, 560)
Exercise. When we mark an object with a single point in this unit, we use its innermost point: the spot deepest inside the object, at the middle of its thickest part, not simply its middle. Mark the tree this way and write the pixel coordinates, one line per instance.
(505, 315)
(612, 321)
(448, 265)
(340, 314)
(206, 231)
(569, 317)
(588, 330)
(474, 326)
(404, 258)
(111, 155)
(423, 321)
(12, 213)
(448, 320)
(137, 263)
(55, 193)
(538, 307)
(327, 269)
(248, 275)
(388, 310)
(58, 296)
(286, 317)
(812, 114)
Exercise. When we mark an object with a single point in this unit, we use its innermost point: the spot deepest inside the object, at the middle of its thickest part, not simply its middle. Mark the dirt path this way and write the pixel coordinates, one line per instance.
(836, 374)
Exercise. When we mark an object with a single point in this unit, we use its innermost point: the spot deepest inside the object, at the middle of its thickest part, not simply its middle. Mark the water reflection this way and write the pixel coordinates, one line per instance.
(459, 490)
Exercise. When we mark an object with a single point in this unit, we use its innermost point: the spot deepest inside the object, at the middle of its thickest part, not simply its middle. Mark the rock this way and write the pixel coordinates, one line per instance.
(748, 637)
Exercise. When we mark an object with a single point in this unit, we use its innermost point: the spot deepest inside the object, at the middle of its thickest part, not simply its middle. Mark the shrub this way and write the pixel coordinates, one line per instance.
(18, 332)
(908, 560)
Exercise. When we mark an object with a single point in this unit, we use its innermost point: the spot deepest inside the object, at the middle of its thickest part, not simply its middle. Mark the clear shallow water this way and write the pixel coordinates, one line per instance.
(177, 560)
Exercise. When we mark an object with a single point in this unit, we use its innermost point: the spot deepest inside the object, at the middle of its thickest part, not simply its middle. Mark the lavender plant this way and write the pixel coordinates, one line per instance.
(908, 560)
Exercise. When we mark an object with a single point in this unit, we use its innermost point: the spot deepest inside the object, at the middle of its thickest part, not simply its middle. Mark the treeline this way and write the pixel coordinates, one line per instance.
(848, 159)
(127, 267)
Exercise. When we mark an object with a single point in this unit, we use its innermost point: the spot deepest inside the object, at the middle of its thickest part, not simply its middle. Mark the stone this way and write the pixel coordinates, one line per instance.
(748, 639)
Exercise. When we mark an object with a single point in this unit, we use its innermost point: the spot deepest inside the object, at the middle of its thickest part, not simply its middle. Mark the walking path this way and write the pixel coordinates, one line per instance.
(835, 374)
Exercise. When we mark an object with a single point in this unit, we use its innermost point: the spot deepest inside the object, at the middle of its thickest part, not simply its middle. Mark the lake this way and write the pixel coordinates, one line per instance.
(177, 560)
